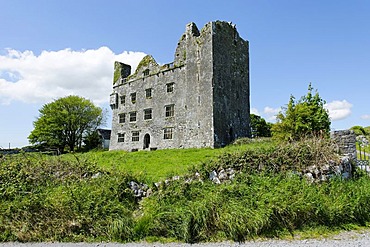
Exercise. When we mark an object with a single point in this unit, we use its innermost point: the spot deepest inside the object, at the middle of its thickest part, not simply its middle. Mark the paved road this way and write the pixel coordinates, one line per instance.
(345, 239)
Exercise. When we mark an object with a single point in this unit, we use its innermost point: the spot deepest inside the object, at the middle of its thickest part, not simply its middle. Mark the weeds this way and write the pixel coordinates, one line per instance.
(77, 198)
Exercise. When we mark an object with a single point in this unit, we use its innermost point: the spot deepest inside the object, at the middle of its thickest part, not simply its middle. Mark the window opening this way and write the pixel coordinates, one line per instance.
(133, 116)
(148, 93)
(135, 136)
(122, 118)
(170, 110)
(123, 99)
(121, 137)
(146, 72)
(133, 98)
(147, 114)
(169, 87)
(168, 133)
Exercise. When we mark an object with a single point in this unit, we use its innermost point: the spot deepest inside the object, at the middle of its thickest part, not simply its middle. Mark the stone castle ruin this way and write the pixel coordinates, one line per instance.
(201, 99)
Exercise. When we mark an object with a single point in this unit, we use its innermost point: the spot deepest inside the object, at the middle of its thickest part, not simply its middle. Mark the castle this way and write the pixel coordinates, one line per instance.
(201, 99)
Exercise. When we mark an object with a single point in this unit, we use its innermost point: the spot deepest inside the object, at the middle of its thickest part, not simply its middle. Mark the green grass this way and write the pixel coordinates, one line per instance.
(158, 165)
(45, 198)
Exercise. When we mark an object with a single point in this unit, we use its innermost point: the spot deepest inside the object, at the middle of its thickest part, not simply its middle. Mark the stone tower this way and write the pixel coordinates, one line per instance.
(201, 99)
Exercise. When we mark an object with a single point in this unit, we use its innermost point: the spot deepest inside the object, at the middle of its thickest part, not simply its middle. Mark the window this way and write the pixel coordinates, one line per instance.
(133, 98)
(169, 87)
(147, 114)
(170, 110)
(168, 133)
(135, 136)
(133, 116)
(148, 93)
(121, 137)
(123, 99)
(122, 118)
(146, 72)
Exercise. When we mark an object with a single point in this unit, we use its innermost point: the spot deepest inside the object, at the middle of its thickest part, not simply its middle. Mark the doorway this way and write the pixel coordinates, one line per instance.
(146, 141)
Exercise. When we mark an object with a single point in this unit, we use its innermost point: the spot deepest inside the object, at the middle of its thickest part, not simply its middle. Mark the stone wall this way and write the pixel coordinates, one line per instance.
(209, 96)
(346, 141)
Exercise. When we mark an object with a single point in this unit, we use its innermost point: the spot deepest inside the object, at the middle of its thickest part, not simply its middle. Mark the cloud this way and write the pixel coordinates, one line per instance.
(29, 78)
(365, 116)
(271, 113)
(255, 111)
(338, 109)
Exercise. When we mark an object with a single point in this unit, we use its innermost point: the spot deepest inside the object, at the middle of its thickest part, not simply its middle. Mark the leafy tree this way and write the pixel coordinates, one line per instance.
(65, 122)
(305, 117)
(259, 126)
(359, 130)
(92, 140)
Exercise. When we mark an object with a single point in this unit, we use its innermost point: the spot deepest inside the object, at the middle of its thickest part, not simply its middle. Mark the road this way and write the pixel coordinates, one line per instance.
(344, 239)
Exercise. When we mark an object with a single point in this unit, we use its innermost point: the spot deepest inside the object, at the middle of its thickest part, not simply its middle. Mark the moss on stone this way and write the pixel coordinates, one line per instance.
(117, 71)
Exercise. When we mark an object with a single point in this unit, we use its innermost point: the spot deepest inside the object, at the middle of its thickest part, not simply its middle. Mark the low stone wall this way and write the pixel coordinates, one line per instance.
(346, 141)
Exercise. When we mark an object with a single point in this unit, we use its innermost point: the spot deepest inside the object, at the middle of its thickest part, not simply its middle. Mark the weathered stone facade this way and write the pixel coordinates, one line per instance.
(346, 141)
(199, 100)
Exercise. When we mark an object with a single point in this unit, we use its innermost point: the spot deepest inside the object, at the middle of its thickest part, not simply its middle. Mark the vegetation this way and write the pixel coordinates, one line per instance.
(259, 126)
(302, 118)
(86, 197)
(65, 122)
(359, 130)
(117, 71)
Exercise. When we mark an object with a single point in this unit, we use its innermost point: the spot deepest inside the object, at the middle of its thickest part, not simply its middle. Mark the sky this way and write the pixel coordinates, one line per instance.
(51, 49)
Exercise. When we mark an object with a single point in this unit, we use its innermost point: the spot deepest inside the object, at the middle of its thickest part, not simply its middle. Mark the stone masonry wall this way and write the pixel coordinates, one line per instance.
(209, 99)
(346, 141)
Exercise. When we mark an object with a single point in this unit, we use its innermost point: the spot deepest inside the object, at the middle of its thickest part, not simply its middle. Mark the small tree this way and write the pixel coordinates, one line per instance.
(259, 126)
(305, 117)
(65, 122)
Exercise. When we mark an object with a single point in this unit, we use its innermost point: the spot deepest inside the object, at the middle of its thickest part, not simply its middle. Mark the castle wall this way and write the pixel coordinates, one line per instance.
(230, 84)
(202, 96)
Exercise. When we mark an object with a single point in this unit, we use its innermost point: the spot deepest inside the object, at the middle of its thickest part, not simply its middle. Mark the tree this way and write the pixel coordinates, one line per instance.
(65, 122)
(305, 117)
(259, 126)
(359, 130)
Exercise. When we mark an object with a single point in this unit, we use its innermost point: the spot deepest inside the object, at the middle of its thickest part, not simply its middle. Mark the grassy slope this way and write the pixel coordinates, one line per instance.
(45, 198)
(160, 164)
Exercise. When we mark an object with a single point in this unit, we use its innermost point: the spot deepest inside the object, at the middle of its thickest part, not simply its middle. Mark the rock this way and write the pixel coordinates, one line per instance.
(222, 175)
(96, 175)
(133, 185)
(346, 175)
(216, 180)
(212, 175)
(309, 176)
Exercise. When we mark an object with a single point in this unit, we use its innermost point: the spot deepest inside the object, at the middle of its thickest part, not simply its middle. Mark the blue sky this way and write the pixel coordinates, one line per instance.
(50, 49)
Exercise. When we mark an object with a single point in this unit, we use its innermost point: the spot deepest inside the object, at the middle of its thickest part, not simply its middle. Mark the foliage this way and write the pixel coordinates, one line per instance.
(281, 158)
(80, 198)
(117, 71)
(259, 126)
(92, 141)
(305, 117)
(65, 122)
(253, 205)
(52, 199)
(359, 130)
(161, 164)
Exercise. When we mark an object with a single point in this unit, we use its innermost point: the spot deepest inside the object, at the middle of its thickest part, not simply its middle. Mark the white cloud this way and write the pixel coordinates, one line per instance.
(338, 109)
(89, 73)
(365, 116)
(255, 111)
(271, 113)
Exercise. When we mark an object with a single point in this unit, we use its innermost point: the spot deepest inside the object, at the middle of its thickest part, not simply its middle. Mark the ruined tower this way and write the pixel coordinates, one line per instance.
(201, 99)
